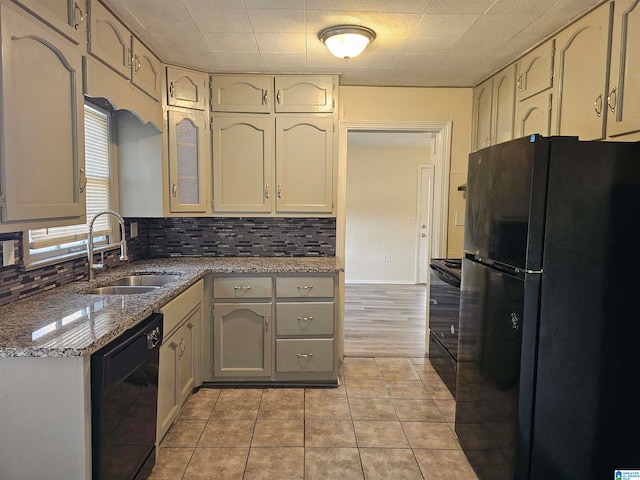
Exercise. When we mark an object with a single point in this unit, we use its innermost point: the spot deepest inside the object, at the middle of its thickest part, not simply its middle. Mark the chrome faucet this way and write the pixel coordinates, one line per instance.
(123, 242)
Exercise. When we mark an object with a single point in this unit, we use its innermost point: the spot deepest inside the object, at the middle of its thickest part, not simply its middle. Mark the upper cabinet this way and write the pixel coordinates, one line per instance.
(494, 108)
(66, 16)
(536, 70)
(112, 43)
(623, 99)
(304, 94)
(581, 76)
(280, 94)
(43, 123)
(241, 93)
(187, 88)
(304, 165)
(534, 115)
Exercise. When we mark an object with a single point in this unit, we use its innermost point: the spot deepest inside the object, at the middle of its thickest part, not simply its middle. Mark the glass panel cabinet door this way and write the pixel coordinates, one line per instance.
(187, 162)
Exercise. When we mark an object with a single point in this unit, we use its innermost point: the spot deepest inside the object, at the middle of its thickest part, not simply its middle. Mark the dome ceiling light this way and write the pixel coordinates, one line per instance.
(346, 41)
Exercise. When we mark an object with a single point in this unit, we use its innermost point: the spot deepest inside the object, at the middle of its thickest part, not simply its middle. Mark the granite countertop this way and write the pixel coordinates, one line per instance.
(67, 322)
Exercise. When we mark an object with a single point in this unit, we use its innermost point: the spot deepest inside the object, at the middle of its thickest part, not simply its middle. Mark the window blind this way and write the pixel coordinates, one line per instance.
(96, 140)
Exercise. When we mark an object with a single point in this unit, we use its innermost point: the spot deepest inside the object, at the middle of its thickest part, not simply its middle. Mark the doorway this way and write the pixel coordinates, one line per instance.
(435, 194)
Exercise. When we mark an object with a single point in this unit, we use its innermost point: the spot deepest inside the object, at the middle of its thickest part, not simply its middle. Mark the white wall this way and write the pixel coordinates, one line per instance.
(382, 184)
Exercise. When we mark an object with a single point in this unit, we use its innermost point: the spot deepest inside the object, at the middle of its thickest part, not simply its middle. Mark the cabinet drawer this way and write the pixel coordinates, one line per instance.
(177, 309)
(304, 355)
(304, 287)
(305, 318)
(242, 287)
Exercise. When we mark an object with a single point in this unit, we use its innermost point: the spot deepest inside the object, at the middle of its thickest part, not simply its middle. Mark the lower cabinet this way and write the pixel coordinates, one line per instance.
(179, 355)
(274, 328)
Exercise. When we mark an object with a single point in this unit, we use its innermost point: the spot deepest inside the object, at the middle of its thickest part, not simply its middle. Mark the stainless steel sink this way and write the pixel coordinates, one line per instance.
(122, 290)
(152, 280)
(133, 284)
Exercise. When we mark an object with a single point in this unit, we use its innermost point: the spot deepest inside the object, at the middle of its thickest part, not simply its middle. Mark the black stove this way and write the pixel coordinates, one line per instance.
(444, 311)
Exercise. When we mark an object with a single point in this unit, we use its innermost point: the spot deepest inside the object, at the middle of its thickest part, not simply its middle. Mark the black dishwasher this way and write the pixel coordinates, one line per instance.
(124, 402)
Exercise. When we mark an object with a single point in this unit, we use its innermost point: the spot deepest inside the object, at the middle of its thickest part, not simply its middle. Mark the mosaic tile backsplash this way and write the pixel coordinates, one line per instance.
(168, 237)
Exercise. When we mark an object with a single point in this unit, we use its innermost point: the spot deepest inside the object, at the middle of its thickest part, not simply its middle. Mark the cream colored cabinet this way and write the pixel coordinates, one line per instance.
(304, 94)
(623, 99)
(146, 70)
(482, 103)
(304, 164)
(534, 115)
(179, 355)
(536, 70)
(243, 163)
(188, 161)
(66, 16)
(42, 121)
(187, 88)
(109, 40)
(503, 104)
(582, 76)
(241, 93)
(494, 109)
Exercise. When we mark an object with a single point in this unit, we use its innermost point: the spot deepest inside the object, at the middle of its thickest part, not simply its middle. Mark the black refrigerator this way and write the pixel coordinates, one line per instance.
(548, 382)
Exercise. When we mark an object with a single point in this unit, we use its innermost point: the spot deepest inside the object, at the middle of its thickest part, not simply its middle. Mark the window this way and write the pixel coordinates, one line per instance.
(56, 242)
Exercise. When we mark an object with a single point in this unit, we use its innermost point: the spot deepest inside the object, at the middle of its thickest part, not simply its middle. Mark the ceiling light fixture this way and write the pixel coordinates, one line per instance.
(346, 41)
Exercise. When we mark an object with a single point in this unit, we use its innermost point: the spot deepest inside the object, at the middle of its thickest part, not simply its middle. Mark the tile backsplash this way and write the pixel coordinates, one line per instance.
(164, 237)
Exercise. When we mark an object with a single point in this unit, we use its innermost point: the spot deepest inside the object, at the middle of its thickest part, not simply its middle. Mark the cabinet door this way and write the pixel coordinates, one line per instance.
(536, 70)
(304, 164)
(188, 154)
(109, 40)
(304, 93)
(624, 95)
(242, 163)
(504, 100)
(43, 122)
(147, 70)
(66, 16)
(246, 93)
(188, 336)
(242, 339)
(482, 103)
(168, 398)
(186, 88)
(534, 115)
(582, 58)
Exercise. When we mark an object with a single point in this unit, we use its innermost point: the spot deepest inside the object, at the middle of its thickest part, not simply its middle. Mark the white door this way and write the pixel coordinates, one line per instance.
(425, 194)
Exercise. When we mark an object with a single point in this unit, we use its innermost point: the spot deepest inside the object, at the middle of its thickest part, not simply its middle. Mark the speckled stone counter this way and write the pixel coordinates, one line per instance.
(66, 321)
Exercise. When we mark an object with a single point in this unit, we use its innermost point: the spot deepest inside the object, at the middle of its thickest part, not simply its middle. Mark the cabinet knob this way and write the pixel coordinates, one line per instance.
(304, 355)
(266, 191)
(305, 319)
(83, 180)
(266, 323)
(172, 90)
(174, 189)
(279, 96)
(279, 190)
(265, 97)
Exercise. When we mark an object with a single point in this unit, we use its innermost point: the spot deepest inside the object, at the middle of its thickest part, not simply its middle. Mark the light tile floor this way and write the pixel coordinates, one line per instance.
(390, 418)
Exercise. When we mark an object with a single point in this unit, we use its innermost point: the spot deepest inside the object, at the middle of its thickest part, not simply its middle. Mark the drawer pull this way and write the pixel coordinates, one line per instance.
(305, 319)
(305, 355)
(305, 287)
(242, 287)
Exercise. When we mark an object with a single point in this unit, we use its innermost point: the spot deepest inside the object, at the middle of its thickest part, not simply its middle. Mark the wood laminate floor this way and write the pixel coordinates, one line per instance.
(384, 320)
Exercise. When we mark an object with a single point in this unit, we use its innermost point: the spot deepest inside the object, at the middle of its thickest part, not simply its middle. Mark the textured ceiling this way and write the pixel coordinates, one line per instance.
(419, 42)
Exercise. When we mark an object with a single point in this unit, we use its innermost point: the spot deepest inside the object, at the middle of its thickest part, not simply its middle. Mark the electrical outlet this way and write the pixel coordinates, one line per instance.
(134, 229)
(386, 257)
(8, 253)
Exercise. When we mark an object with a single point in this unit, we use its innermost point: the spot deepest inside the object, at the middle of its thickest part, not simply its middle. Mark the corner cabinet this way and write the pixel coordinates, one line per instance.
(623, 99)
(42, 118)
(273, 144)
(179, 355)
(293, 342)
(188, 161)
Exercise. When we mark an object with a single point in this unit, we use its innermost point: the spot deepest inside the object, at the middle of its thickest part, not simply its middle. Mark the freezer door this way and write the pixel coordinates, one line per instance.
(506, 187)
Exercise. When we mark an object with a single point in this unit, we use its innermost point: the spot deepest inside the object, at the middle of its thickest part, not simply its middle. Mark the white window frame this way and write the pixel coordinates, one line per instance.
(59, 252)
